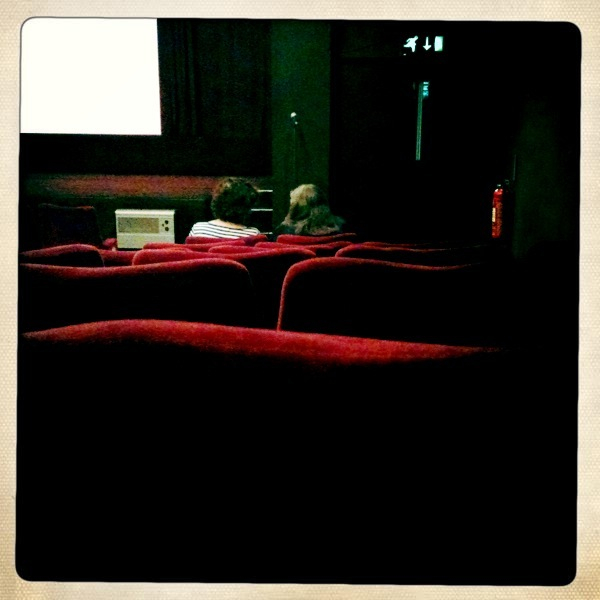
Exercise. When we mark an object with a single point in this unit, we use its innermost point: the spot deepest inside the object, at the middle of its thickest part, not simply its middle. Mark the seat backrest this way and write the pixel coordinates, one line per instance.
(60, 225)
(322, 447)
(268, 268)
(423, 255)
(199, 239)
(147, 256)
(249, 240)
(466, 304)
(212, 290)
(438, 243)
(320, 249)
(236, 245)
(117, 258)
(266, 265)
(190, 252)
(161, 245)
(72, 255)
(231, 249)
(290, 238)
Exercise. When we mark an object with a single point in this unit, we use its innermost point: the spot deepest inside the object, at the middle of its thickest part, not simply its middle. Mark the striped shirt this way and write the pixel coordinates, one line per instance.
(210, 229)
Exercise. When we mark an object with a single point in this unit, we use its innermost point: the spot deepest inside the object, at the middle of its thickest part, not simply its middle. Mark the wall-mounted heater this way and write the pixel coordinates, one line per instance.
(138, 227)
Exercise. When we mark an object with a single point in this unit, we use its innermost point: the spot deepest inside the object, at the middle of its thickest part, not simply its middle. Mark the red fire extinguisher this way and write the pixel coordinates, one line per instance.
(497, 210)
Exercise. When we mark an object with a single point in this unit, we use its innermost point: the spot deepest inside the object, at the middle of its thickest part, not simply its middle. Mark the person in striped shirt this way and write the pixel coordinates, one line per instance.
(231, 203)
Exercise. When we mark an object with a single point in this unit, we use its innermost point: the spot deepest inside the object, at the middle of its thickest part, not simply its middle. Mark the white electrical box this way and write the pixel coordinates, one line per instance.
(138, 227)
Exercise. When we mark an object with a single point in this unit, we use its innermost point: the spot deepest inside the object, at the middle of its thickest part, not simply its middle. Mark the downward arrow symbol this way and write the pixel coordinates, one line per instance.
(427, 45)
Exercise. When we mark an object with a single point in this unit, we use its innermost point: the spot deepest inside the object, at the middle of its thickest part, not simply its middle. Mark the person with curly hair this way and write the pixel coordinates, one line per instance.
(232, 201)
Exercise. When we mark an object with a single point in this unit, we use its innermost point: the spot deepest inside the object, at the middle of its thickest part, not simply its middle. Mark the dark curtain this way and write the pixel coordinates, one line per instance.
(214, 78)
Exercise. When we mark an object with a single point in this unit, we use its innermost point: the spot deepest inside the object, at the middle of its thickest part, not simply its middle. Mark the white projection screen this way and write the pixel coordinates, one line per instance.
(90, 76)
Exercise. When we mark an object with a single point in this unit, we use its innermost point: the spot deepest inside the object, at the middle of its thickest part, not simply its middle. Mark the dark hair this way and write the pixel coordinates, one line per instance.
(309, 212)
(232, 200)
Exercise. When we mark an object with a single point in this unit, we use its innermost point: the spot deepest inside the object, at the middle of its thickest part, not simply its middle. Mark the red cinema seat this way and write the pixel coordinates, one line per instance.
(199, 247)
(244, 241)
(425, 255)
(466, 304)
(234, 249)
(188, 252)
(147, 256)
(161, 245)
(268, 268)
(327, 449)
(320, 249)
(197, 239)
(117, 258)
(72, 255)
(203, 245)
(290, 238)
(60, 225)
(212, 290)
(424, 244)
(269, 245)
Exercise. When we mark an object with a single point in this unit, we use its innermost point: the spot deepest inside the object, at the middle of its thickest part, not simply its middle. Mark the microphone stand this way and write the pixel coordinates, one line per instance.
(294, 118)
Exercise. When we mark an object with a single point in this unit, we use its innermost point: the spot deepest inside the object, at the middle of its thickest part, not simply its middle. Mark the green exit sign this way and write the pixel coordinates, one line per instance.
(423, 44)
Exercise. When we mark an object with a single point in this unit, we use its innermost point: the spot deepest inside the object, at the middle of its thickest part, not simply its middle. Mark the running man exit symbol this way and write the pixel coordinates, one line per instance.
(412, 43)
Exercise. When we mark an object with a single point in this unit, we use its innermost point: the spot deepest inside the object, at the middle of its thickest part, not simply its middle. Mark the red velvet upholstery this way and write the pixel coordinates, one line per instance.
(205, 247)
(236, 245)
(234, 249)
(379, 243)
(197, 239)
(320, 249)
(268, 268)
(117, 258)
(160, 245)
(147, 256)
(267, 271)
(60, 225)
(349, 459)
(425, 256)
(289, 238)
(212, 290)
(275, 245)
(425, 244)
(72, 255)
(467, 304)
(244, 241)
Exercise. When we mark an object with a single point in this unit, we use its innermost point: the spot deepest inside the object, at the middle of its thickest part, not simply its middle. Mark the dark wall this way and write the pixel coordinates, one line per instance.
(138, 155)
(499, 93)
(547, 142)
(300, 84)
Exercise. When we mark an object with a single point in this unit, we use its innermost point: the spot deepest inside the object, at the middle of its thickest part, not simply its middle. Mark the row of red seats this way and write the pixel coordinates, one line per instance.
(322, 447)
(342, 245)
(155, 284)
(288, 288)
